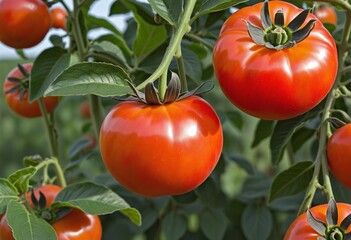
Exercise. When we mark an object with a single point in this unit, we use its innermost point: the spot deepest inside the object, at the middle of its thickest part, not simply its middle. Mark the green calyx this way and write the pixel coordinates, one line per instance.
(335, 233)
(330, 229)
(277, 35)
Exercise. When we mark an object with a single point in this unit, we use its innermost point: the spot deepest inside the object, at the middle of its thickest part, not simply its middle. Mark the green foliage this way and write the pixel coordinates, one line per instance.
(94, 199)
(26, 225)
(255, 190)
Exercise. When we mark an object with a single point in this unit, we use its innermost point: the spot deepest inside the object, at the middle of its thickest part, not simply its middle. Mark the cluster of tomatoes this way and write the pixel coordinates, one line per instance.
(173, 146)
(25, 23)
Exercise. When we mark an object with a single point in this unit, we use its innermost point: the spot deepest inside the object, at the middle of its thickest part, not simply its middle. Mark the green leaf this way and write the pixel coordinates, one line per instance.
(21, 54)
(216, 5)
(284, 130)
(93, 22)
(254, 187)
(95, 199)
(263, 130)
(300, 137)
(235, 118)
(242, 162)
(32, 161)
(101, 79)
(111, 51)
(257, 222)
(174, 225)
(168, 9)
(118, 41)
(57, 41)
(138, 8)
(213, 224)
(8, 192)
(291, 181)
(20, 178)
(192, 64)
(27, 226)
(210, 194)
(148, 38)
(47, 66)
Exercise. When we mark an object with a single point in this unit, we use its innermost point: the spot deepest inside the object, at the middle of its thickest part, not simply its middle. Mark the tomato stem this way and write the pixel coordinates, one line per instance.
(181, 70)
(58, 170)
(321, 161)
(49, 129)
(163, 86)
(96, 116)
(174, 44)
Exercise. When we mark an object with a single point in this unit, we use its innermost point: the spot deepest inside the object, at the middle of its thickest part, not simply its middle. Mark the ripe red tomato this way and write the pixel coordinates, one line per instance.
(339, 154)
(59, 18)
(50, 191)
(300, 229)
(76, 225)
(326, 14)
(157, 150)
(23, 23)
(268, 83)
(19, 103)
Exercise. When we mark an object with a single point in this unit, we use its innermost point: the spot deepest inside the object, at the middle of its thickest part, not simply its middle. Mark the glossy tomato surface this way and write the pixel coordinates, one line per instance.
(59, 18)
(157, 150)
(300, 228)
(326, 14)
(268, 83)
(76, 225)
(23, 23)
(20, 104)
(339, 155)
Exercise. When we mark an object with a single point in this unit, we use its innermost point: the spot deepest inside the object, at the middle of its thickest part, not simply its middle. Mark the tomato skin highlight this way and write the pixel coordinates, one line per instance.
(157, 150)
(339, 155)
(22, 106)
(300, 229)
(76, 225)
(326, 14)
(274, 84)
(23, 23)
(59, 18)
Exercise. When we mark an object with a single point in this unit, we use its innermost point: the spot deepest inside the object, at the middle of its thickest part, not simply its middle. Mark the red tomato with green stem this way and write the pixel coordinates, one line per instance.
(76, 225)
(280, 71)
(301, 228)
(157, 150)
(326, 14)
(23, 23)
(16, 93)
(59, 18)
(339, 154)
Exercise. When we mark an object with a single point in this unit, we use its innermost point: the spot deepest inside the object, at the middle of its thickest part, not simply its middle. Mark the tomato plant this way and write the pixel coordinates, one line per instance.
(269, 79)
(188, 131)
(17, 97)
(326, 14)
(59, 18)
(144, 130)
(339, 152)
(74, 225)
(23, 23)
